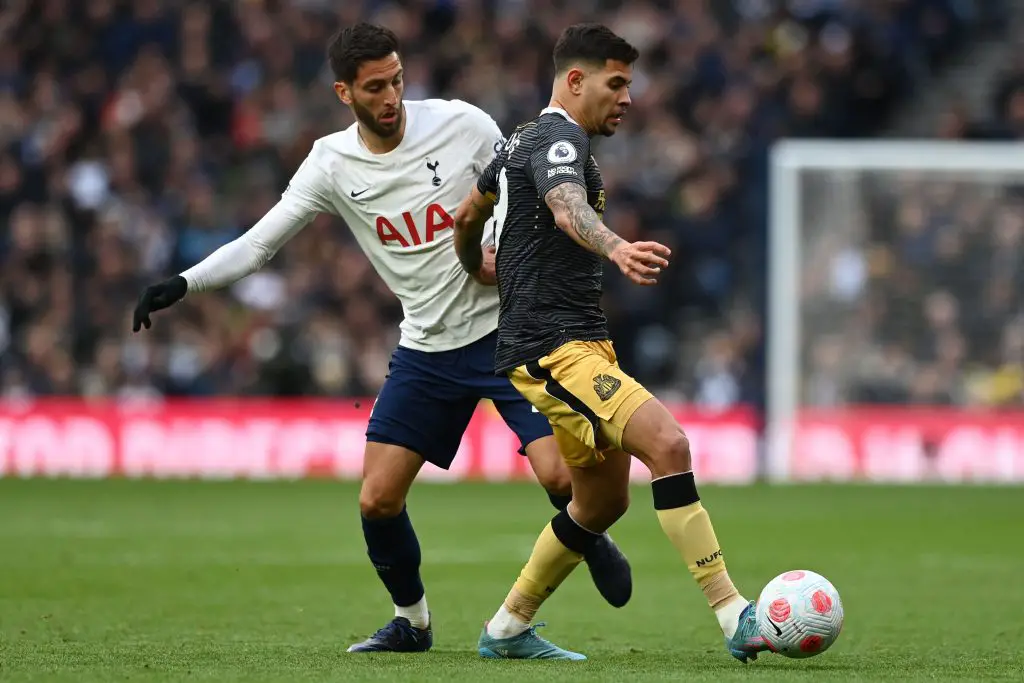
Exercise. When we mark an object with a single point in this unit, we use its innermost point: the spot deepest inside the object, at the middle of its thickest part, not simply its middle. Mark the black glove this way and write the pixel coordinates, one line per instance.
(156, 297)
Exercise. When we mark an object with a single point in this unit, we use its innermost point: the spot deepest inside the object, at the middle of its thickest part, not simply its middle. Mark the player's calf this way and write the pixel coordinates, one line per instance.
(601, 498)
(608, 566)
(600, 491)
(393, 548)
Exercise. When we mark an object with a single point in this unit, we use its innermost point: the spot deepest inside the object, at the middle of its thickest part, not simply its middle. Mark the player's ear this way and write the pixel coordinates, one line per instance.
(343, 91)
(575, 80)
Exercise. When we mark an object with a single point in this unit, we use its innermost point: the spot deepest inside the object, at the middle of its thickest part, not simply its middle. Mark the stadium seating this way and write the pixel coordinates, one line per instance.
(136, 138)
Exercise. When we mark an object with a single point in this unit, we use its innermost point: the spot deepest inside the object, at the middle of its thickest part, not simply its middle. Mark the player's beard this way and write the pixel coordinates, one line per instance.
(369, 120)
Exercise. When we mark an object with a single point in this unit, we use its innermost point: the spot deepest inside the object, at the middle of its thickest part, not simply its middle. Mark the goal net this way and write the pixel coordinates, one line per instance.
(896, 316)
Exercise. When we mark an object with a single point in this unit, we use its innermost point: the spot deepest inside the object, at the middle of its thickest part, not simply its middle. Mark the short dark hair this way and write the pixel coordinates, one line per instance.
(352, 46)
(591, 43)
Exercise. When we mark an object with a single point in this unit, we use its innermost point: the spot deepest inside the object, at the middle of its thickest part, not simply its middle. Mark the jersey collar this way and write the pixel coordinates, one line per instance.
(560, 112)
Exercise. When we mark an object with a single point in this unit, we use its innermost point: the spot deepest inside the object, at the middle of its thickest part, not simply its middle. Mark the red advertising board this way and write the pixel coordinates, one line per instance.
(269, 439)
(906, 445)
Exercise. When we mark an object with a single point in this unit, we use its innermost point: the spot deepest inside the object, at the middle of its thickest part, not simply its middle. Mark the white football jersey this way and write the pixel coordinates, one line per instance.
(400, 207)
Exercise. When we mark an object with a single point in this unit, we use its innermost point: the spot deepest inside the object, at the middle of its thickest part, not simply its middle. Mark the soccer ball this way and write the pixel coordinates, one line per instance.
(799, 614)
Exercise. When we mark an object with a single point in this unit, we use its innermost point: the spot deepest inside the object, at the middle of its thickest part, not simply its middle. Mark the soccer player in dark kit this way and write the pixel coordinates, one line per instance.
(545, 193)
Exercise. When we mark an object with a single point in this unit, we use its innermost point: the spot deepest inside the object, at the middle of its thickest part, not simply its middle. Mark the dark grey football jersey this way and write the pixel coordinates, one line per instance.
(550, 286)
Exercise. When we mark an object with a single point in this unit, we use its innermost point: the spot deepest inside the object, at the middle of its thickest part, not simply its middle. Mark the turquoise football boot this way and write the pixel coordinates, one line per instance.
(527, 645)
(747, 641)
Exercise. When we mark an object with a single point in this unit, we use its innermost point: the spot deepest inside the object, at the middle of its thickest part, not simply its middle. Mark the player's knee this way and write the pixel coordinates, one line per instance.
(379, 503)
(549, 468)
(672, 454)
(598, 514)
(555, 481)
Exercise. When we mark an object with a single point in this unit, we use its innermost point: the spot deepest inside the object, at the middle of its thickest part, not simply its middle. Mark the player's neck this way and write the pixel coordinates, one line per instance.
(378, 145)
(557, 103)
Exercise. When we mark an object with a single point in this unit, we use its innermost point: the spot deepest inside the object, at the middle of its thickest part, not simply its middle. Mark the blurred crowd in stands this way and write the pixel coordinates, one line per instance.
(138, 136)
(917, 297)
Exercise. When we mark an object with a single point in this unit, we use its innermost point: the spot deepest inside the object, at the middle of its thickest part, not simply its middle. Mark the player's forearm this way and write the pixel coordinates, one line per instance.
(467, 245)
(227, 265)
(250, 252)
(574, 216)
(470, 219)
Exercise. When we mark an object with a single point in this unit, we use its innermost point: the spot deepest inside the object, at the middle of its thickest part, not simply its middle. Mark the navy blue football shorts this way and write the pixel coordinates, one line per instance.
(428, 399)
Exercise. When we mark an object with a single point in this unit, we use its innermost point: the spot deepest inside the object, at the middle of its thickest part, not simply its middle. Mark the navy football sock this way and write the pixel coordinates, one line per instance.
(394, 551)
(560, 502)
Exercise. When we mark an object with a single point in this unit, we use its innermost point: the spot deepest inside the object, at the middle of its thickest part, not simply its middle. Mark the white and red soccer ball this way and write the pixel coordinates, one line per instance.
(799, 614)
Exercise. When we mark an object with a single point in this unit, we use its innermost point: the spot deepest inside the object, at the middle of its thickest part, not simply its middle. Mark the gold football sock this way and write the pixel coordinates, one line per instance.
(687, 525)
(551, 562)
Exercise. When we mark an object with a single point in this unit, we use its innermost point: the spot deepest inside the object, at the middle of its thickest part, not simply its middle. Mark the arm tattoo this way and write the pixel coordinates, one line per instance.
(570, 199)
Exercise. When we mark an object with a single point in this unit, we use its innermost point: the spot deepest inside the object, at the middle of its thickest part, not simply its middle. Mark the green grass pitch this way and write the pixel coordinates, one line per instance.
(185, 581)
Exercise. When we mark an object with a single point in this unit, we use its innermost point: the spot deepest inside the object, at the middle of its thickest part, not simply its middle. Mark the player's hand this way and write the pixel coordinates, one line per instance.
(487, 275)
(156, 297)
(641, 262)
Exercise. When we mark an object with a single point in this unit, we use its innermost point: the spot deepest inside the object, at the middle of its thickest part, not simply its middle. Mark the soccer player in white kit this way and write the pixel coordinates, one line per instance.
(396, 177)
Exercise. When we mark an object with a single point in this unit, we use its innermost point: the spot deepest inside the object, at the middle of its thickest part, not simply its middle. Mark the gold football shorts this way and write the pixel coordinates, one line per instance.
(585, 395)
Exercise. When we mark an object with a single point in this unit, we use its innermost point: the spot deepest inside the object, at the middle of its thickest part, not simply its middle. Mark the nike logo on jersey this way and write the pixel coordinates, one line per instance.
(356, 194)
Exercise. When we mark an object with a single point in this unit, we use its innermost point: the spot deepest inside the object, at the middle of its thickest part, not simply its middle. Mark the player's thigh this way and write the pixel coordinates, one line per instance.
(654, 436)
(388, 472)
(600, 493)
(421, 408)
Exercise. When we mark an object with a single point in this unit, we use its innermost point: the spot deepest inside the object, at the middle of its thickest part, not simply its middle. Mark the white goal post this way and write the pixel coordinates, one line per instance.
(858, 232)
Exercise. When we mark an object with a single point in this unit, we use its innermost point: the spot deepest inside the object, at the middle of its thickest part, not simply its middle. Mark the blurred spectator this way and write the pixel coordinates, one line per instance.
(137, 137)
